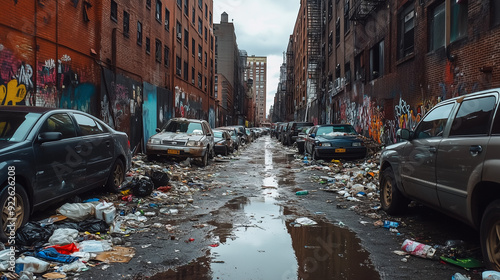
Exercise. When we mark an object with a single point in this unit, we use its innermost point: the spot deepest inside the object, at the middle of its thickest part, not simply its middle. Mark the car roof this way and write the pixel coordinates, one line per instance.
(187, 120)
(31, 109)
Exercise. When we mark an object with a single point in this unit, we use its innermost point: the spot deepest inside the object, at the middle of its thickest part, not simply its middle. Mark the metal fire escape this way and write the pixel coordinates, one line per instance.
(361, 9)
(314, 57)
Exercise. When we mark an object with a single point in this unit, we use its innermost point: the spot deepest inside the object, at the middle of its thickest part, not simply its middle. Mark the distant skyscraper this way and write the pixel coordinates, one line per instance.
(257, 70)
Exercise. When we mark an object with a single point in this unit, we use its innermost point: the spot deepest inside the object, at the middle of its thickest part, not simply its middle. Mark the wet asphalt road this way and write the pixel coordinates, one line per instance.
(242, 225)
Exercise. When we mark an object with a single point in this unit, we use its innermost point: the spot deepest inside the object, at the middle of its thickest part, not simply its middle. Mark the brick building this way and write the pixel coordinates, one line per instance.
(134, 64)
(386, 63)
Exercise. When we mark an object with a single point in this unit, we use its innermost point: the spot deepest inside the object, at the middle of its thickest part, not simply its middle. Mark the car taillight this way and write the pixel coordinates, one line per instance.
(128, 143)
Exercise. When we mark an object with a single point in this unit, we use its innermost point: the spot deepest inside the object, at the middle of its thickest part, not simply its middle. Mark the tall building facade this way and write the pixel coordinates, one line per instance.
(384, 64)
(256, 70)
(132, 64)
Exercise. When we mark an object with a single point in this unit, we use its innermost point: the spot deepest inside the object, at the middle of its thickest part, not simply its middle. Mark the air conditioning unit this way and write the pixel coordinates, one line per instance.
(179, 35)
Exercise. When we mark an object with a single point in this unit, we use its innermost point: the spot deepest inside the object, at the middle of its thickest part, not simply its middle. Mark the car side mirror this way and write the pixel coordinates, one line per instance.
(209, 134)
(49, 136)
(403, 134)
(158, 129)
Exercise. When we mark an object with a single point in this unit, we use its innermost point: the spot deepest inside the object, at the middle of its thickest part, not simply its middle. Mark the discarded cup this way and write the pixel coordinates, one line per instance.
(302, 192)
(390, 224)
(418, 249)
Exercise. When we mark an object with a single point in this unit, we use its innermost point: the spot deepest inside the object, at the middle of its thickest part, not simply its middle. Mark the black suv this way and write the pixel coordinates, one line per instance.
(293, 130)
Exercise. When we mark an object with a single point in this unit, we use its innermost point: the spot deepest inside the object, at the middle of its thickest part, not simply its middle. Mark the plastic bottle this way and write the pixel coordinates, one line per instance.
(302, 192)
(31, 264)
(491, 275)
(390, 224)
(418, 249)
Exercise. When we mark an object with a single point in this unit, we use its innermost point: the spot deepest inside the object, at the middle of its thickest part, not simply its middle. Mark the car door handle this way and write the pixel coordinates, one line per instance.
(475, 150)
(432, 149)
(108, 143)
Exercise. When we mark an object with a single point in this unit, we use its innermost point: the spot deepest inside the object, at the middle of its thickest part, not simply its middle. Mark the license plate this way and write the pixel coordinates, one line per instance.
(173, 152)
(340, 150)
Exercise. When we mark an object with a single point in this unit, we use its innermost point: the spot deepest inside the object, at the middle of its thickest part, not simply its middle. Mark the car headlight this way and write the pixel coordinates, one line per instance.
(325, 144)
(356, 144)
(194, 143)
(154, 141)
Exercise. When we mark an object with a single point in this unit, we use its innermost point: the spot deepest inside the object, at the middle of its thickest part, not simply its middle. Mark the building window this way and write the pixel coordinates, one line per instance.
(186, 38)
(212, 43)
(166, 56)
(337, 32)
(192, 75)
(200, 51)
(186, 7)
(193, 16)
(193, 47)
(200, 4)
(495, 12)
(200, 26)
(347, 71)
(139, 33)
(178, 65)
(158, 50)
(179, 3)
(114, 11)
(377, 60)
(330, 10)
(437, 24)
(406, 33)
(178, 30)
(148, 45)
(167, 19)
(206, 11)
(359, 67)
(199, 80)
(148, 4)
(459, 16)
(158, 10)
(210, 18)
(126, 18)
(186, 71)
(206, 34)
(330, 42)
(206, 59)
(347, 25)
(205, 89)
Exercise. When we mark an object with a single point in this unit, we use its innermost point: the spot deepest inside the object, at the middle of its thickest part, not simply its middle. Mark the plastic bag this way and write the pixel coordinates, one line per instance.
(92, 246)
(159, 178)
(77, 211)
(5, 259)
(63, 236)
(31, 264)
(93, 226)
(33, 234)
(142, 186)
(105, 211)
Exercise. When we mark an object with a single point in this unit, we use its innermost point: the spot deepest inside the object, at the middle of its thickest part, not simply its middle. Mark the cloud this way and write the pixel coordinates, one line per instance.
(262, 28)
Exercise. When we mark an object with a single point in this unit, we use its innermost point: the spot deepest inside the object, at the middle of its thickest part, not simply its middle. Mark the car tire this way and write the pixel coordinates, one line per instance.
(489, 235)
(211, 155)
(152, 157)
(116, 177)
(204, 159)
(20, 212)
(392, 200)
(226, 151)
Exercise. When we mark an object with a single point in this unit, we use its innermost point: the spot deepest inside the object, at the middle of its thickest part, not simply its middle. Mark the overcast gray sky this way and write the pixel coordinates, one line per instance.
(262, 28)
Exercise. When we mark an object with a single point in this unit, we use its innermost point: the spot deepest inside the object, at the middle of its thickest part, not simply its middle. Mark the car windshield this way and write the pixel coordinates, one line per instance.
(218, 134)
(184, 127)
(14, 126)
(336, 130)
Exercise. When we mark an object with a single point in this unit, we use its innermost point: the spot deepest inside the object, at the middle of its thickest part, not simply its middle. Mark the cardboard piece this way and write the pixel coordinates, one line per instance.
(118, 254)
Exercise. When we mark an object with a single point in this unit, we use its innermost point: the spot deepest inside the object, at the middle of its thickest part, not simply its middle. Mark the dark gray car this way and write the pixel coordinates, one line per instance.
(48, 155)
(451, 162)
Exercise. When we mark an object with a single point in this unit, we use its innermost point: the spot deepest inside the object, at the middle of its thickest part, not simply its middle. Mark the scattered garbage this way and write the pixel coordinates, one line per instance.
(304, 221)
(77, 211)
(465, 262)
(418, 249)
(459, 276)
(31, 264)
(301, 192)
(491, 275)
(390, 224)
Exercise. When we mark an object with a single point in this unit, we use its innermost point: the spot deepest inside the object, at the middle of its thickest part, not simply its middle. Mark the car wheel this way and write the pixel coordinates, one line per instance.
(391, 199)
(116, 177)
(490, 235)
(204, 159)
(211, 155)
(152, 157)
(16, 210)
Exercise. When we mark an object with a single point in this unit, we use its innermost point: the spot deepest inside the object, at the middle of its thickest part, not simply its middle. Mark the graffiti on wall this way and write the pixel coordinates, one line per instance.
(16, 79)
(188, 105)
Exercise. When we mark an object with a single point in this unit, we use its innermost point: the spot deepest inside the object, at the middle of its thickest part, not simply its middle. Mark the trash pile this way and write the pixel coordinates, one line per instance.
(95, 232)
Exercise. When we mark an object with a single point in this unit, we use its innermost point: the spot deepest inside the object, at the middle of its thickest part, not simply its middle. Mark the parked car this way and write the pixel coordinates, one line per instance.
(330, 141)
(233, 132)
(292, 131)
(182, 138)
(250, 135)
(242, 133)
(50, 154)
(450, 162)
(282, 132)
(301, 138)
(223, 142)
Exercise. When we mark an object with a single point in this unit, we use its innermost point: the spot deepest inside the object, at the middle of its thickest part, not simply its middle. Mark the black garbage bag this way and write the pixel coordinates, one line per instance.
(71, 225)
(93, 226)
(159, 178)
(141, 186)
(33, 234)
